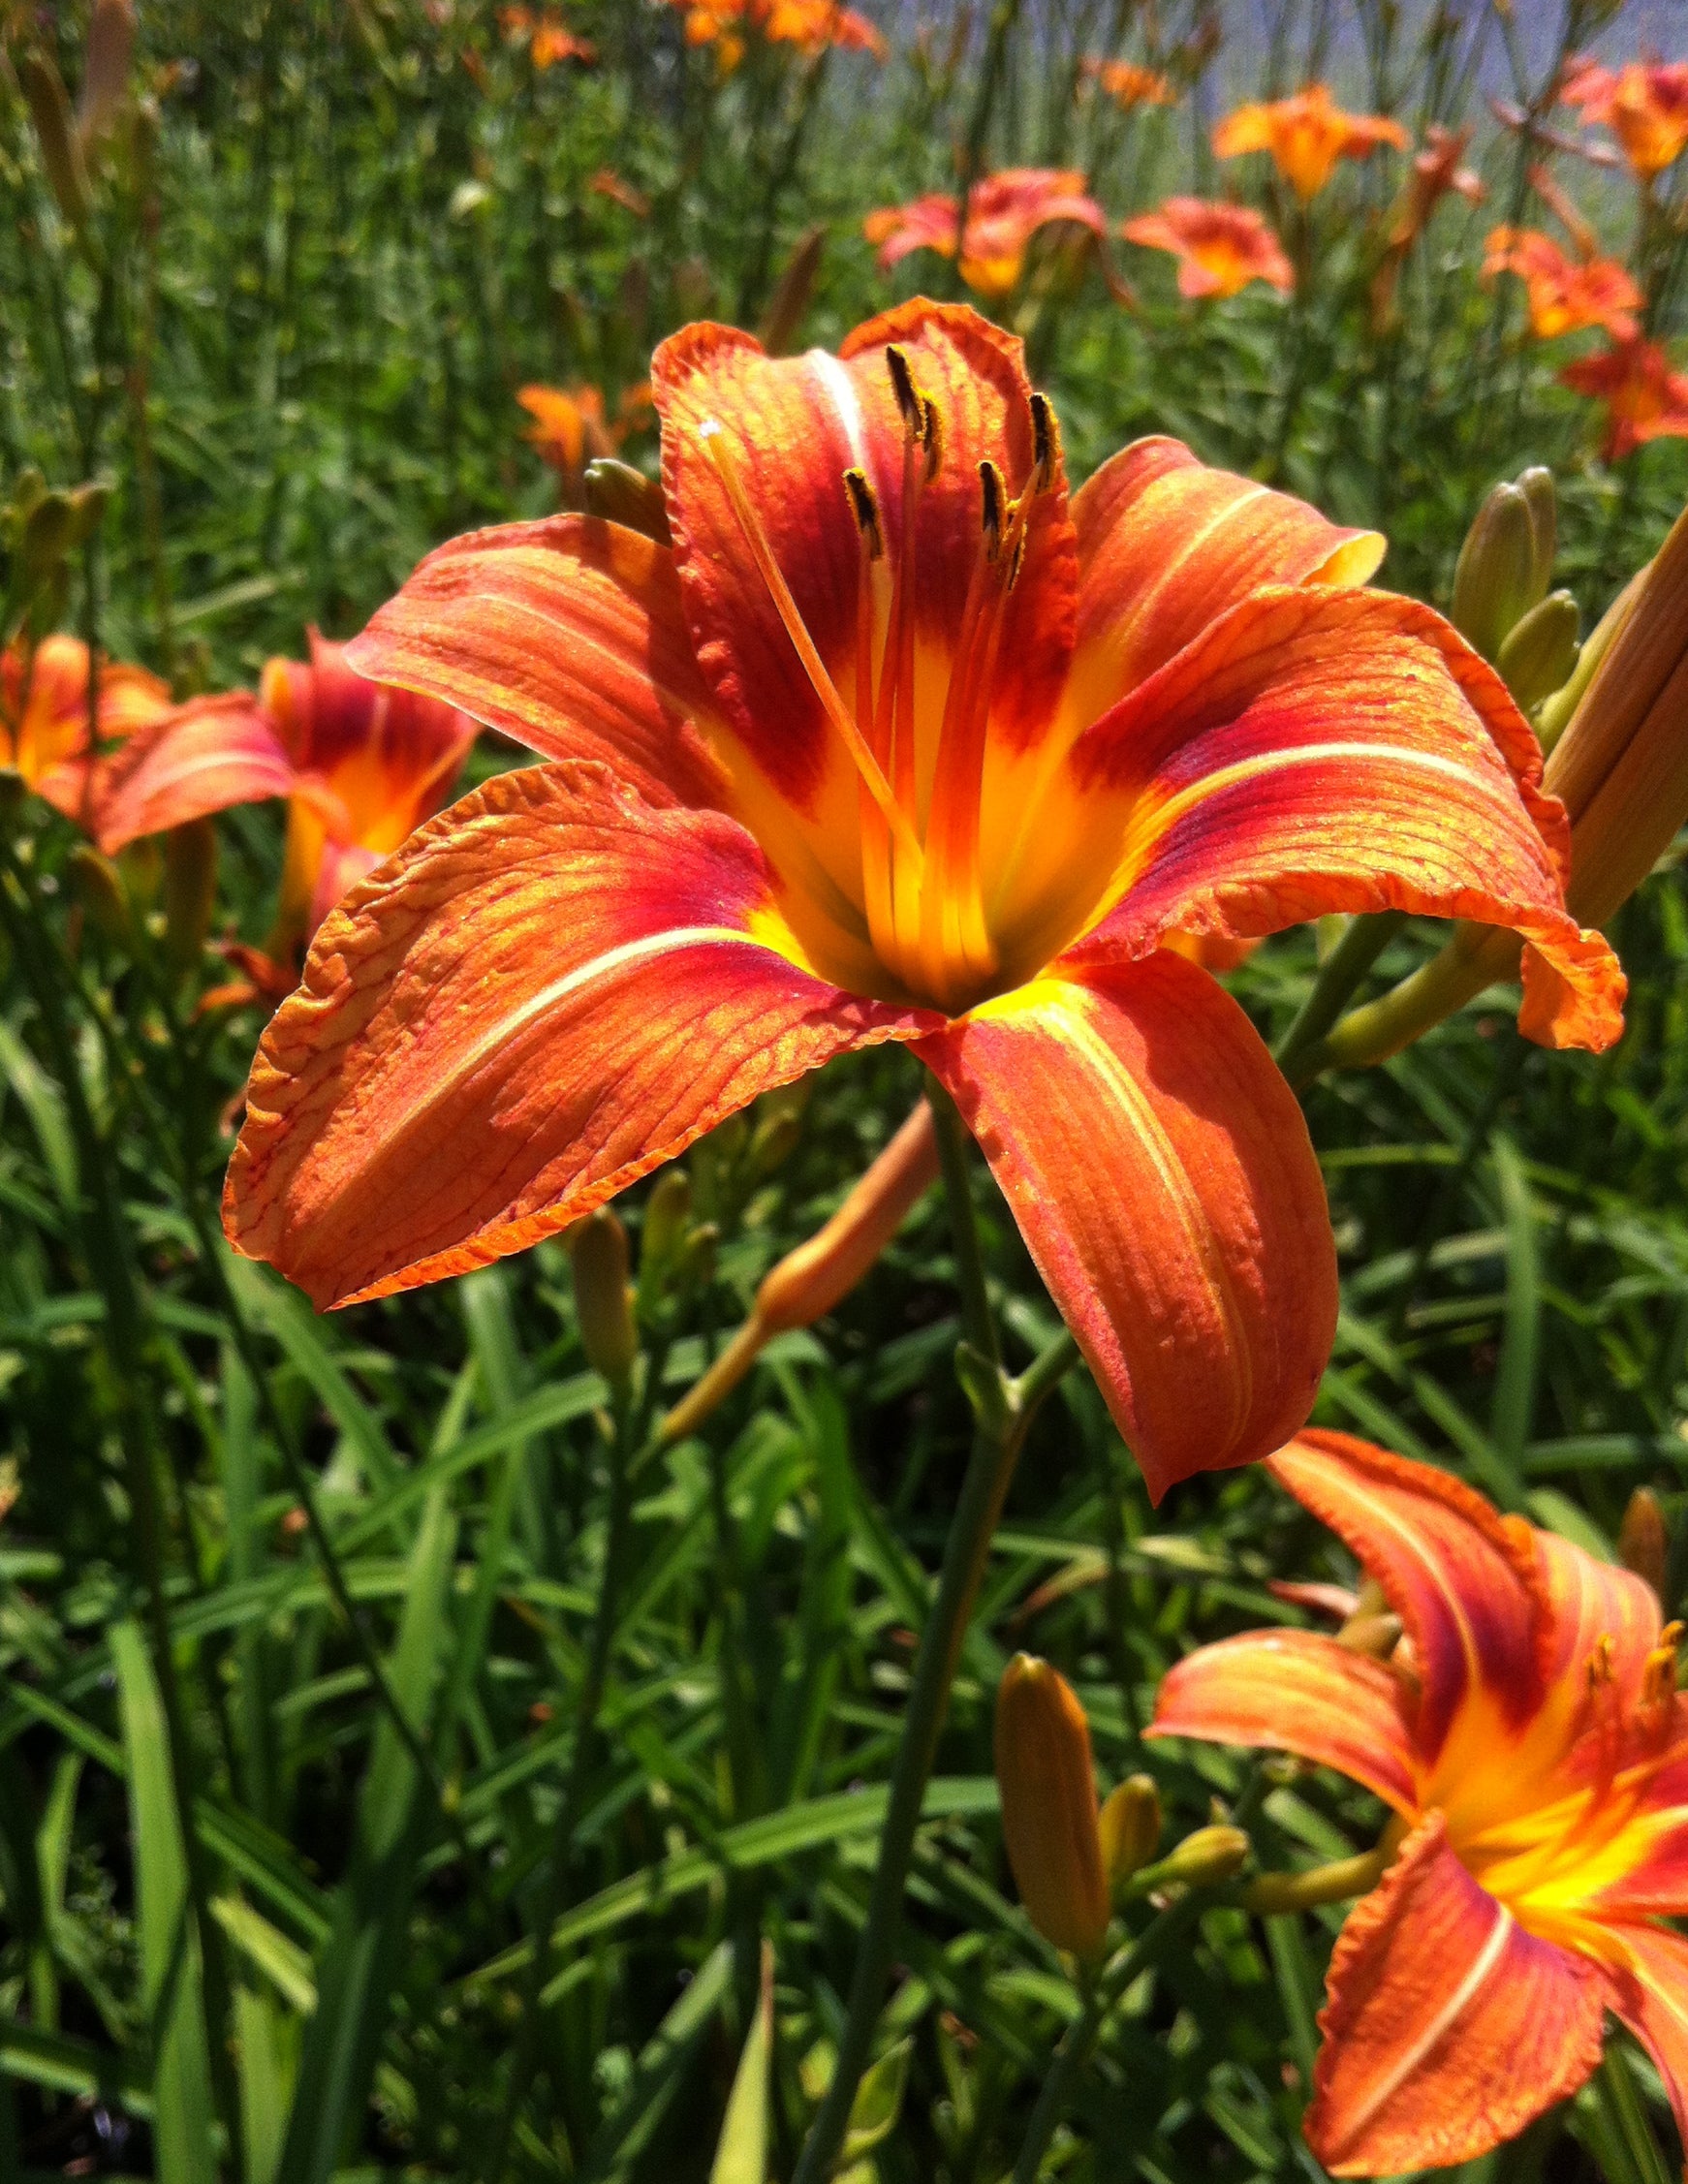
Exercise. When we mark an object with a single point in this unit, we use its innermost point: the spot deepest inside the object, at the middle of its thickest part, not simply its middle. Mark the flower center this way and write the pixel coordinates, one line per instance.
(921, 887)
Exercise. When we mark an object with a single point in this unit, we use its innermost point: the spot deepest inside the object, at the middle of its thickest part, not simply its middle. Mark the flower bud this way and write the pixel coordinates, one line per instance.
(1049, 1805)
(1537, 486)
(621, 494)
(1540, 653)
(189, 889)
(99, 891)
(104, 67)
(1201, 1860)
(808, 1282)
(1128, 1827)
(603, 1301)
(1643, 1544)
(667, 1212)
(61, 153)
(1495, 580)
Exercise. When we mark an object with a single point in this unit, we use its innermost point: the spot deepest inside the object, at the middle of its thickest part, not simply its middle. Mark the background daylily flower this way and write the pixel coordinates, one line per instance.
(1644, 104)
(548, 38)
(1645, 399)
(44, 717)
(360, 766)
(1528, 1736)
(1128, 84)
(811, 24)
(896, 742)
(1565, 294)
(1220, 248)
(1305, 136)
(572, 428)
(1004, 211)
(1436, 172)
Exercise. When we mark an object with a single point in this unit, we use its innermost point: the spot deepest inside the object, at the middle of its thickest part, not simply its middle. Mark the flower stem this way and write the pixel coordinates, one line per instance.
(1003, 1408)
(1339, 975)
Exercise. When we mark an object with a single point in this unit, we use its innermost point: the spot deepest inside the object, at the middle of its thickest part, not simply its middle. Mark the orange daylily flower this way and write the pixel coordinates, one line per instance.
(571, 427)
(898, 742)
(1644, 105)
(1220, 248)
(812, 24)
(360, 766)
(605, 182)
(548, 38)
(1305, 135)
(44, 718)
(1436, 173)
(1528, 1738)
(1004, 211)
(1129, 84)
(1565, 294)
(1644, 397)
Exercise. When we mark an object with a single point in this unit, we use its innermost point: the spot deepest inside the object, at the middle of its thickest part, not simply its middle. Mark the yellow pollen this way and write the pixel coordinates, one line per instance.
(761, 553)
(1599, 1661)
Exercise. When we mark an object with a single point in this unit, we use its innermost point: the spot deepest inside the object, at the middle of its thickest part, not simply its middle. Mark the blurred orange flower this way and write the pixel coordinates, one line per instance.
(1644, 399)
(900, 740)
(571, 427)
(1436, 172)
(812, 24)
(1565, 294)
(1004, 211)
(44, 718)
(1644, 105)
(549, 38)
(1220, 248)
(1305, 136)
(1528, 1738)
(605, 182)
(361, 765)
(1130, 84)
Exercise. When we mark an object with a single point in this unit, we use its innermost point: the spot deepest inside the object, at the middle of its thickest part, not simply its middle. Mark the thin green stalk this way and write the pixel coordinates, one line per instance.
(1002, 1412)
(1002, 22)
(1339, 978)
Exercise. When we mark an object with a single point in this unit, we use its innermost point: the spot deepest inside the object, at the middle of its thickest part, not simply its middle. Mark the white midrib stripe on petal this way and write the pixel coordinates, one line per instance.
(1451, 2010)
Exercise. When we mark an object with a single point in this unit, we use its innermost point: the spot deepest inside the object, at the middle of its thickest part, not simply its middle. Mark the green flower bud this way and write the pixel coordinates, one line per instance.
(621, 494)
(1130, 1827)
(190, 890)
(603, 1301)
(1201, 1860)
(1539, 655)
(1537, 486)
(1495, 580)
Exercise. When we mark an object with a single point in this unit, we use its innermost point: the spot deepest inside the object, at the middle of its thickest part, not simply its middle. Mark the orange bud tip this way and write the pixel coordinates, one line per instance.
(1642, 1543)
(1049, 1805)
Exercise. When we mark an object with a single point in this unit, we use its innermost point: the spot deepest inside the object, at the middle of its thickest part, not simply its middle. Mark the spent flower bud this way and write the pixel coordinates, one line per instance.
(1129, 1825)
(603, 1301)
(1644, 1544)
(1049, 1805)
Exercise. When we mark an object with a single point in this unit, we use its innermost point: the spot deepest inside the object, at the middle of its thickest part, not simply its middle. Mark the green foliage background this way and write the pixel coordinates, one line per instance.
(294, 358)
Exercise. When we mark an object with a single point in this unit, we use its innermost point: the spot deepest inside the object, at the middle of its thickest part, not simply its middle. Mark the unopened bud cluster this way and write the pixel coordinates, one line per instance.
(1501, 604)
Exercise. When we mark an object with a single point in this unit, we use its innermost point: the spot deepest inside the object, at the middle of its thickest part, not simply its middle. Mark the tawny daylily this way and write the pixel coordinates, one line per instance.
(1527, 1735)
(1305, 136)
(607, 183)
(360, 766)
(1565, 294)
(1220, 248)
(1128, 84)
(1004, 211)
(1436, 172)
(547, 38)
(811, 24)
(1645, 399)
(897, 744)
(1644, 104)
(44, 718)
(572, 428)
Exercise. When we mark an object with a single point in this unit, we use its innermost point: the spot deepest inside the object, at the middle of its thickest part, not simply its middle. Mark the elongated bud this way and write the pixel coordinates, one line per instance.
(105, 67)
(61, 151)
(808, 1282)
(1201, 1860)
(189, 889)
(1537, 486)
(603, 1301)
(1540, 653)
(1049, 1805)
(99, 891)
(621, 494)
(667, 1212)
(1494, 581)
(1129, 1825)
(1643, 1544)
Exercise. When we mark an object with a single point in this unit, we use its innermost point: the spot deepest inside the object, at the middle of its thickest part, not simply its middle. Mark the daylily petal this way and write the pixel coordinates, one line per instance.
(552, 988)
(1314, 751)
(1447, 2028)
(1160, 1171)
(1300, 1692)
(1597, 1605)
(201, 757)
(1651, 1997)
(1166, 544)
(566, 635)
(1463, 1581)
(1641, 1867)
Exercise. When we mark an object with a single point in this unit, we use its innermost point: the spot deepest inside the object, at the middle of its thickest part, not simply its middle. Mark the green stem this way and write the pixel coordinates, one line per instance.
(1339, 977)
(1003, 1408)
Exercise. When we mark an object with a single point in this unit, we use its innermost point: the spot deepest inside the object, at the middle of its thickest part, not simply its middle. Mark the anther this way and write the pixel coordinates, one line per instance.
(1045, 444)
(864, 507)
(1599, 1661)
(919, 412)
(994, 500)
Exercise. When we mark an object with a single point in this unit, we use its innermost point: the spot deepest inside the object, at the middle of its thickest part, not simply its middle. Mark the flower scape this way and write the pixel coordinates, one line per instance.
(831, 838)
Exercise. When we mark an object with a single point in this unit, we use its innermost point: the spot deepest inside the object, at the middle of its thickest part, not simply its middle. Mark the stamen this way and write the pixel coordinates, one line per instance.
(864, 507)
(994, 500)
(922, 419)
(761, 553)
(1045, 444)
